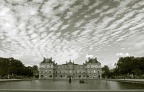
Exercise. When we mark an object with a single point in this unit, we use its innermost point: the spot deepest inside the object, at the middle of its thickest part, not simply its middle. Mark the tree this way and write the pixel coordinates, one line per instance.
(11, 68)
(106, 71)
(35, 71)
(127, 66)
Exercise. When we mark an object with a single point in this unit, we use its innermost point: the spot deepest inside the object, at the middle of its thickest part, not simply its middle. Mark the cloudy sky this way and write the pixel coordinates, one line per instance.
(64, 29)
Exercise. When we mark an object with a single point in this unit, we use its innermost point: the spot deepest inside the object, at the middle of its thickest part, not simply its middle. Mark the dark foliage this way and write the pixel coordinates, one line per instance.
(126, 67)
(12, 68)
(130, 65)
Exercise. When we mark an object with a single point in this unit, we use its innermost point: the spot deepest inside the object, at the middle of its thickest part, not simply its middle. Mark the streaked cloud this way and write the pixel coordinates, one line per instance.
(122, 54)
(70, 29)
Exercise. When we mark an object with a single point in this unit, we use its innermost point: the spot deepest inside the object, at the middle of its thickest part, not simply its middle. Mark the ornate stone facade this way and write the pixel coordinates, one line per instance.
(91, 69)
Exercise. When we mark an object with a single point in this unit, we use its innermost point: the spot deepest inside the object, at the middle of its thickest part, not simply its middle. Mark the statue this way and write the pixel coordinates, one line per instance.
(69, 79)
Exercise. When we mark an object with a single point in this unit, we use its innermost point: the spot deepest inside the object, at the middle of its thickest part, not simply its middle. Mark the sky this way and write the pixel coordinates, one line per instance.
(71, 29)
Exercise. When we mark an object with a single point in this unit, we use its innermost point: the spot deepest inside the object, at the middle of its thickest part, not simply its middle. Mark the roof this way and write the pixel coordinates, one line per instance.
(93, 60)
(47, 60)
(70, 62)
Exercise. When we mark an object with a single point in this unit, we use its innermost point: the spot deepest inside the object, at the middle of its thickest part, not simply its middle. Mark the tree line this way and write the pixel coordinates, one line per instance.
(126, 67)
(13, 68)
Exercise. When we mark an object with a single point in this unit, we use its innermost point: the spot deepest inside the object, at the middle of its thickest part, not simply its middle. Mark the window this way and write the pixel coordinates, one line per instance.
(46, 71)
(41, 66)
(41, 76)
(51, 66)
(88, 71)
(98, 76)
(47, 66)
(50, 76)
(49, 71)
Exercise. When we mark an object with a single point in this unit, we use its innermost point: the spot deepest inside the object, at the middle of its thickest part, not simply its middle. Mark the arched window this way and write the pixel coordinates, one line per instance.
(46, 71)
(41, 76)
(42, 66)
(77, 71)
(61, 76)
(49, 71)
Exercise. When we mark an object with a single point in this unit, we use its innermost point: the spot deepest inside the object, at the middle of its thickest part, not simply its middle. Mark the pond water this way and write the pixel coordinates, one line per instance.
(74, 85)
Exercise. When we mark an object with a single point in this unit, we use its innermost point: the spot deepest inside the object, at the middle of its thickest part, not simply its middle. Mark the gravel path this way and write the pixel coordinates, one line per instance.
(128, 80)
(9, 79)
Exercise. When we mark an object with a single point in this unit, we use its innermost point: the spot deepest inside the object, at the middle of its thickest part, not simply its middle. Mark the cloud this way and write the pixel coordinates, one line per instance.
(122, 54)
(65, 29)
(134, 43)
(87, 56)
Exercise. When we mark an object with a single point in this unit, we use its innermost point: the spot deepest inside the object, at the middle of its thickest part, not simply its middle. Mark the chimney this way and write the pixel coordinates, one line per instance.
(95, 58)
(88, 58)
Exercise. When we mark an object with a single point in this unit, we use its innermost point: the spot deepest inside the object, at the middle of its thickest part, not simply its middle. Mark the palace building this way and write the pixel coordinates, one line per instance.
(91, 69)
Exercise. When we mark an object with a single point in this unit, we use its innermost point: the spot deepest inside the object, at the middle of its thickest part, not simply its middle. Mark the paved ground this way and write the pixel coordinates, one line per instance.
(129, 80)
(9, 79)
(141, 80)
(17, 90)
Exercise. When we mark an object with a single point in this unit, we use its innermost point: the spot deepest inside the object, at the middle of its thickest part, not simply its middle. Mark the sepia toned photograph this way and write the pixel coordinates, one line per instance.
(71, 45)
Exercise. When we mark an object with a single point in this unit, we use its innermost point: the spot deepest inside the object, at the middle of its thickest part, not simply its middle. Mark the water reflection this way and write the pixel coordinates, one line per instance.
(74, 85)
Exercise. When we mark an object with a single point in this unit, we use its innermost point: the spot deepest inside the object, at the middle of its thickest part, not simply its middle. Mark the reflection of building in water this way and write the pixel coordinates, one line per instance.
(91, 69)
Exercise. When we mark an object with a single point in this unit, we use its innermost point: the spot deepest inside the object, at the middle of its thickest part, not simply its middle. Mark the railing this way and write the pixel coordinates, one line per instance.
(42, 90)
